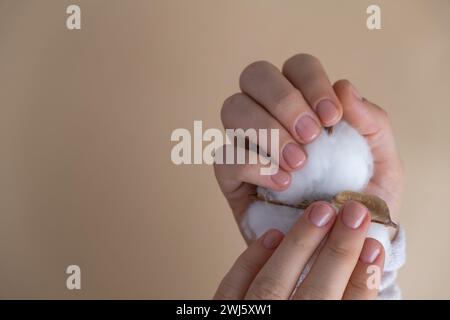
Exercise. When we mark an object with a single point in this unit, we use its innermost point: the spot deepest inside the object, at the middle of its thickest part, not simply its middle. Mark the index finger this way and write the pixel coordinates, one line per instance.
(236, 282)
(277, 279)
(307, 74)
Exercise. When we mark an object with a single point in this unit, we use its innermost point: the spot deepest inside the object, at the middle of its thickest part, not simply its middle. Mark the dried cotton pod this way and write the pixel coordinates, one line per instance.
(377, 207)
(379, 211)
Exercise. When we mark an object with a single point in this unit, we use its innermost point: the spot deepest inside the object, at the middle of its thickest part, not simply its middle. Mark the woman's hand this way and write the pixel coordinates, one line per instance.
(271, 266)
(300, 101)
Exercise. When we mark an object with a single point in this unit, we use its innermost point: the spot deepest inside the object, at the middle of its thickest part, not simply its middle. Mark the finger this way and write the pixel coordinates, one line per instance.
(230, 176)
(241, 112)
(239, 181)
(264, 83)
(278, 277)
(372, 122)
(367, 118)
(236, 282)
(334, 265)
(307, 74)
(366, 277)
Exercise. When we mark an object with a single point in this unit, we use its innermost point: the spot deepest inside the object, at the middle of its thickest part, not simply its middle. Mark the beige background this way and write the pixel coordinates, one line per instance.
(86, 118)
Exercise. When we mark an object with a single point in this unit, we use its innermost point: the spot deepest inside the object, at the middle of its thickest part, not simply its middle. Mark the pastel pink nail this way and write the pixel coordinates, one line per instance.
(307, 128)
(281, 178)
(370, 251)
(320, 214)
(353, 214)
(327, 111)
(293, 155)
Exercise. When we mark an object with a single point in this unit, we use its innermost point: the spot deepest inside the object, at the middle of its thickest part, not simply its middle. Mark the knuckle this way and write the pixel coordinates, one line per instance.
(344, 84)
(266, 288)
(299, 59)
(338, 252)
(311, 292)
(228, 106)
(298, 242)
(303, 57)
(247, 265)
(227, 291)
(252, 70)
(285, 98)
(358, 285)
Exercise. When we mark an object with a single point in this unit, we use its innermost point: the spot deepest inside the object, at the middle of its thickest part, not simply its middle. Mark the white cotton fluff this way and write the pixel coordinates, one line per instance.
(341, 161)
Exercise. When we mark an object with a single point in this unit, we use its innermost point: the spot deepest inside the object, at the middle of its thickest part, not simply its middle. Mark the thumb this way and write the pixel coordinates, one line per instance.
(368, 119)
(372, 122)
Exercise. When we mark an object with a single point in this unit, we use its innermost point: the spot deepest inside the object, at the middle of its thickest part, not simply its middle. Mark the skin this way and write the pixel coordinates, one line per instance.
(270, 99)
(270, 269)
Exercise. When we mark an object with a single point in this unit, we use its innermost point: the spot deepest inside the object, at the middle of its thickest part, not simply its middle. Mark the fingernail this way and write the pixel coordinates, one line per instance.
(321, 214)
(355, 92)
(281, 178)
(370, 251)
(293, 155)
(327, 111)
(353, 214)
(307, 128)
(272, 239)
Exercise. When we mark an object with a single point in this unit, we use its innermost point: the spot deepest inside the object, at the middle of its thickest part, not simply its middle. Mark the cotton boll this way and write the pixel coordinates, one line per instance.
(337, 162)
(341, 161)
(262, 216)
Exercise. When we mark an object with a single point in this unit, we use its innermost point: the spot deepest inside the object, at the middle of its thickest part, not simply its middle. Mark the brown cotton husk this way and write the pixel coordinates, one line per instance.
(379, 211)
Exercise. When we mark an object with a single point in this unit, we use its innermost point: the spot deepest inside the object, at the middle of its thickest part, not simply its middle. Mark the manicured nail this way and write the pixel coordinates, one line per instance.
(281, 178)
(353, 214)
(293, 155)
(327, 111)
(370, 251)
(307, 128)
(355, 92)
(272, 239)
(321, 214)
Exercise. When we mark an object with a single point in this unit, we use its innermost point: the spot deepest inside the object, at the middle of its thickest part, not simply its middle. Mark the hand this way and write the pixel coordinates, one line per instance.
(300, 101)
(271, 266)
